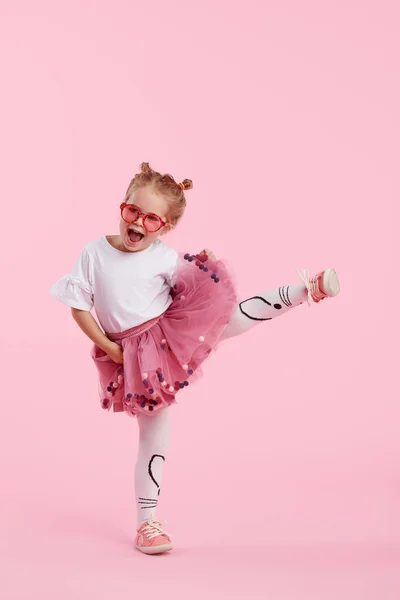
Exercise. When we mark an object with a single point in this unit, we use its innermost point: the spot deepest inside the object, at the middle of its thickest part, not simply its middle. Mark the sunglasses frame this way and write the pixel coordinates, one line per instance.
(142, 215)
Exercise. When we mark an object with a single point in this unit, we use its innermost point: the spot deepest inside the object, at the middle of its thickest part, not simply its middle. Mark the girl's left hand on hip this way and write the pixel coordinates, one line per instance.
(210, 254)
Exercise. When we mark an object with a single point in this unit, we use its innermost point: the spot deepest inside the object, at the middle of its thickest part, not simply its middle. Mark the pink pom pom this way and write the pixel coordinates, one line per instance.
(171, 388)
(185, 367)
(201, 338)
(144, 375)
(164, 383)
(163, 341)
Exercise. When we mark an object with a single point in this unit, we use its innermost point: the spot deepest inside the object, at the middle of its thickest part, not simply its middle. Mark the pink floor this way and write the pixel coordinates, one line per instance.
(76, 552)
(67, 524)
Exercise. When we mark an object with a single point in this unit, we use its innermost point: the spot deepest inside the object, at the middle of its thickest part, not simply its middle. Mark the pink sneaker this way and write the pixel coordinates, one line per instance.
(321, 286)
(152, 539)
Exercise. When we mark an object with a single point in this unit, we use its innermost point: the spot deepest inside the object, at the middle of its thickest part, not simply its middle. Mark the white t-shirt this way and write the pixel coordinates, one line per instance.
(126, 289)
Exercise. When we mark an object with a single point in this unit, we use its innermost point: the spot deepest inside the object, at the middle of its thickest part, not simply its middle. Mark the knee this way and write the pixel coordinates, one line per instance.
(154, 435)
(154, 442)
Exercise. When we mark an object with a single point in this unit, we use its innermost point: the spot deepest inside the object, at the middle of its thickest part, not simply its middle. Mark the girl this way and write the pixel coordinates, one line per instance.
(161, 316)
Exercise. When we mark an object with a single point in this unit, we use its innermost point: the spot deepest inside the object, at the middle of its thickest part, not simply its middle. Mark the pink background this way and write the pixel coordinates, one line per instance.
(286, 117)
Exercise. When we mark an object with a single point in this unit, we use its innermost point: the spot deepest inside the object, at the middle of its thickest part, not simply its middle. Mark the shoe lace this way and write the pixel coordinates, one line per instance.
(154, 529)
(313, 292)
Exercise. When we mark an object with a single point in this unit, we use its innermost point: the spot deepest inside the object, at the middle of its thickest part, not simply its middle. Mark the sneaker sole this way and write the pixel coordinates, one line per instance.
(155, 549)
(331, 283)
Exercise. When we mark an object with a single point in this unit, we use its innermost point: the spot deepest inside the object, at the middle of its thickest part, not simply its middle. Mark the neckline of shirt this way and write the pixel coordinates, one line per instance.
(120, 252)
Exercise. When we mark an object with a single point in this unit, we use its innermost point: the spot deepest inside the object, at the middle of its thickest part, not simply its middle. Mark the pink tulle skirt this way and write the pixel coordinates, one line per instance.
(163, 356)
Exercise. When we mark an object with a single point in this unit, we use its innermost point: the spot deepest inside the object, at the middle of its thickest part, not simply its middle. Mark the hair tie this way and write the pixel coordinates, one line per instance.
(182, 186)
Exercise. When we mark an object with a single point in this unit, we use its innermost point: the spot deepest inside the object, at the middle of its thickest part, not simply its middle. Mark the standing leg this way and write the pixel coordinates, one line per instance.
(269, 305)
(154, 435)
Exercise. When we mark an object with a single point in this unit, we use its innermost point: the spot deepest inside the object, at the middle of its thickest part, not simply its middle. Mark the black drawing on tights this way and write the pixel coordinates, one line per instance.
(148, 502)
(284, 295)
(150, 471)
(246, 314)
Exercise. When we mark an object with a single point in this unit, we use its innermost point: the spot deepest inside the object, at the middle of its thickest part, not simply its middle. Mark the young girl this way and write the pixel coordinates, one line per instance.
(161, 315)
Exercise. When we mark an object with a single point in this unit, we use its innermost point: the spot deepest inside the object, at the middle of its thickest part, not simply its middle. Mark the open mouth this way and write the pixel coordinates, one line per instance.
(135, 236)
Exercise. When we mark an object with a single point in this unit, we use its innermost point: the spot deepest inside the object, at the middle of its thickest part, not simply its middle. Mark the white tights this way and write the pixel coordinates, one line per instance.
(154, 435)
(154, 432)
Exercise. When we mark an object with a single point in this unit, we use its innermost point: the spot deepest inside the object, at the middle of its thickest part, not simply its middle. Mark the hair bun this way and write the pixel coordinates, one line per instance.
(145, 168)
(187, 184)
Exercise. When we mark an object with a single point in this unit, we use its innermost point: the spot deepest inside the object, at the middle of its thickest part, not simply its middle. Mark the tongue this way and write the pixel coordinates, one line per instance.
(134, 236)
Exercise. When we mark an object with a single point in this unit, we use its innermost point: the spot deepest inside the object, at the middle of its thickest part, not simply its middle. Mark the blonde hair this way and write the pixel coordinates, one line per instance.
(165, 186)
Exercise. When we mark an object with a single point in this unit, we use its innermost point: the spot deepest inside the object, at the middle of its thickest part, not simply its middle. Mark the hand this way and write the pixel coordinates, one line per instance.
(114, 351)
(208, 253)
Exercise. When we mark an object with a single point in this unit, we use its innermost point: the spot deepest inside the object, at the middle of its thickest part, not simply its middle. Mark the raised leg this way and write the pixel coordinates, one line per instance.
(264, 307)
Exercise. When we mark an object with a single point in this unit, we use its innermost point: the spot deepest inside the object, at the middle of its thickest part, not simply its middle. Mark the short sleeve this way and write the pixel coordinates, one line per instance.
(75, 289)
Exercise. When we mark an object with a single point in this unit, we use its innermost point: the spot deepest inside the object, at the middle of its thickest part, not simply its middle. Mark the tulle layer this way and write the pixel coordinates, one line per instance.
(164, 356)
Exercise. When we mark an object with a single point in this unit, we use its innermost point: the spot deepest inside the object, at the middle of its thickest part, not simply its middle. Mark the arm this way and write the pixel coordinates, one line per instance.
(90, 327)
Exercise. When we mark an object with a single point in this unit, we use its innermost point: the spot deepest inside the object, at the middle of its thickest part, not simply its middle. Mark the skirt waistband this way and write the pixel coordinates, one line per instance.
(134, 331)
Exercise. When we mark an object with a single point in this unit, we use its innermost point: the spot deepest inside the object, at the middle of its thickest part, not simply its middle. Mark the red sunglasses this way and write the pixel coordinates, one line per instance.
(151, 222)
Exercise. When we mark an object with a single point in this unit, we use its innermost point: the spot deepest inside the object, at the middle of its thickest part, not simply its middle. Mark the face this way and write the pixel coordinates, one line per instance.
(133, 236)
